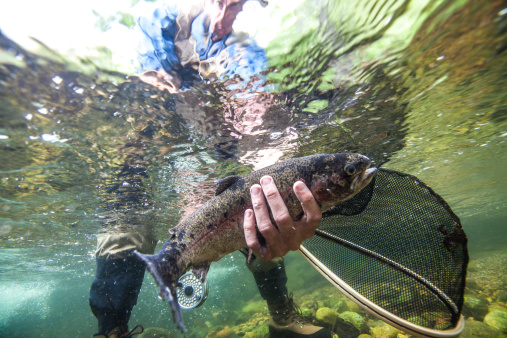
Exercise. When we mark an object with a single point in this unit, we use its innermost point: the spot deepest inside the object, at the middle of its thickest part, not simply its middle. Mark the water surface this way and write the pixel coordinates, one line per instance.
(418, 86)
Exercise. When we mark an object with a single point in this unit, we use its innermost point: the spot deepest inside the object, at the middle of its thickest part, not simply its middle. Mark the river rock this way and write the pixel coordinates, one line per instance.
(497, 320)
(306, 312)
(384, 330)
(262, 331)
(224, 333)
(326, 316)
(345, 329)
(341, 306)
(250, 335)
(501, 296)
(258, 306)
(476, 307)
(354, 318)
(353, 306)
(475, 329)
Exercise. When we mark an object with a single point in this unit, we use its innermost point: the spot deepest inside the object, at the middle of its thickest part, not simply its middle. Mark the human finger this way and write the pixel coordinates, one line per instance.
(281, 217)
(312, 213)
(266, 228)
(278, 208)
(288, 236)
(251, 239)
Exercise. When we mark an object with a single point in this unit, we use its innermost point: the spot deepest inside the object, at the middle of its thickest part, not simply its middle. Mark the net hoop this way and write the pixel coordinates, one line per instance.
(376, 310)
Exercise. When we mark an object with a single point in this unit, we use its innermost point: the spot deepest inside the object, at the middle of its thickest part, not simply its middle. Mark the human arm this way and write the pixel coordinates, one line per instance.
(287, 235)
(156, 51)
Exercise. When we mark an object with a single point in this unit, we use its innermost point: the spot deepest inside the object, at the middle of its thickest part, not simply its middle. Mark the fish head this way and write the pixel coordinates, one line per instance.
(339, 177)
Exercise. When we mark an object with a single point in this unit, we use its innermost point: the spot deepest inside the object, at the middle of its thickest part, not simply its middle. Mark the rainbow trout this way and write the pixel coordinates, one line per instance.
(216, 229)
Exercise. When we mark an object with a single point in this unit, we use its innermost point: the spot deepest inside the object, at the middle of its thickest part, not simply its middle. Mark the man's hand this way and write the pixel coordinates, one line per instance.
(289, 234)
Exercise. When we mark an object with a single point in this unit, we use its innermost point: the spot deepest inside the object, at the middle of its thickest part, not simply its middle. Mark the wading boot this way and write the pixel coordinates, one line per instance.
(286, 321)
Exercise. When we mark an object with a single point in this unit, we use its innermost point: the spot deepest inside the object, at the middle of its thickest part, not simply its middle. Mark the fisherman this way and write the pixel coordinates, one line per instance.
(181, 45)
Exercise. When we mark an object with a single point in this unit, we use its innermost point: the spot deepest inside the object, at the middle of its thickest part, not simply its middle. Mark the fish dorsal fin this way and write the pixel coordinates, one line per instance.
(224, 183)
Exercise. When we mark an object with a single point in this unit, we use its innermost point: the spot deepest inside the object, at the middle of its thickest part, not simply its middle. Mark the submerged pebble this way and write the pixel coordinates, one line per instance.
(354, 318)
(254, 307)
(501, 296)
(476, 307)
(224, 333)
(250, 335)
(476, 329)
(326, 316)
(384, 330)
(497, 319)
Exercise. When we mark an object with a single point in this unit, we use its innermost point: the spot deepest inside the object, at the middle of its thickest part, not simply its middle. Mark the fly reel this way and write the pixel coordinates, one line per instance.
(191, 291)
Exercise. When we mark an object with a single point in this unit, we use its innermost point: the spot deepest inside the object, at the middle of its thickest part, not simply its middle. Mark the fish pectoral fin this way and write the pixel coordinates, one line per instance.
(201, 271)
(224, 183)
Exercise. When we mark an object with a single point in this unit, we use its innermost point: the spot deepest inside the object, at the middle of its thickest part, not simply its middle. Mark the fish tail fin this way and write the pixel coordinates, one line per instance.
(167, 283)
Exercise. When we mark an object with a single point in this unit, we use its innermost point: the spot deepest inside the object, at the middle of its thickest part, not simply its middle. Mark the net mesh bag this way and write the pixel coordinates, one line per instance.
(398, 251)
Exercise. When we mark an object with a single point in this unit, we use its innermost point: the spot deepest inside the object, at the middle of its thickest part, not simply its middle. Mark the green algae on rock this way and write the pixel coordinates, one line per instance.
(254, 307)
(384, 330)
(326, 316)
(354, 318)
(476, 307)
(497, 319)
(476, 329)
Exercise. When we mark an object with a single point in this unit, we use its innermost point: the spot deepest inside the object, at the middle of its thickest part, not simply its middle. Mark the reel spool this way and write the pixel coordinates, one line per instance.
(191, 291)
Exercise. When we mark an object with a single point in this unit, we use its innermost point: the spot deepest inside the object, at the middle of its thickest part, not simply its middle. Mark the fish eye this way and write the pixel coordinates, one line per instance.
(350, 170)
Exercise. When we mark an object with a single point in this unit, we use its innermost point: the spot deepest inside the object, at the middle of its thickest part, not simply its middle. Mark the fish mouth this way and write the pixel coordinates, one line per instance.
(364, 179)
